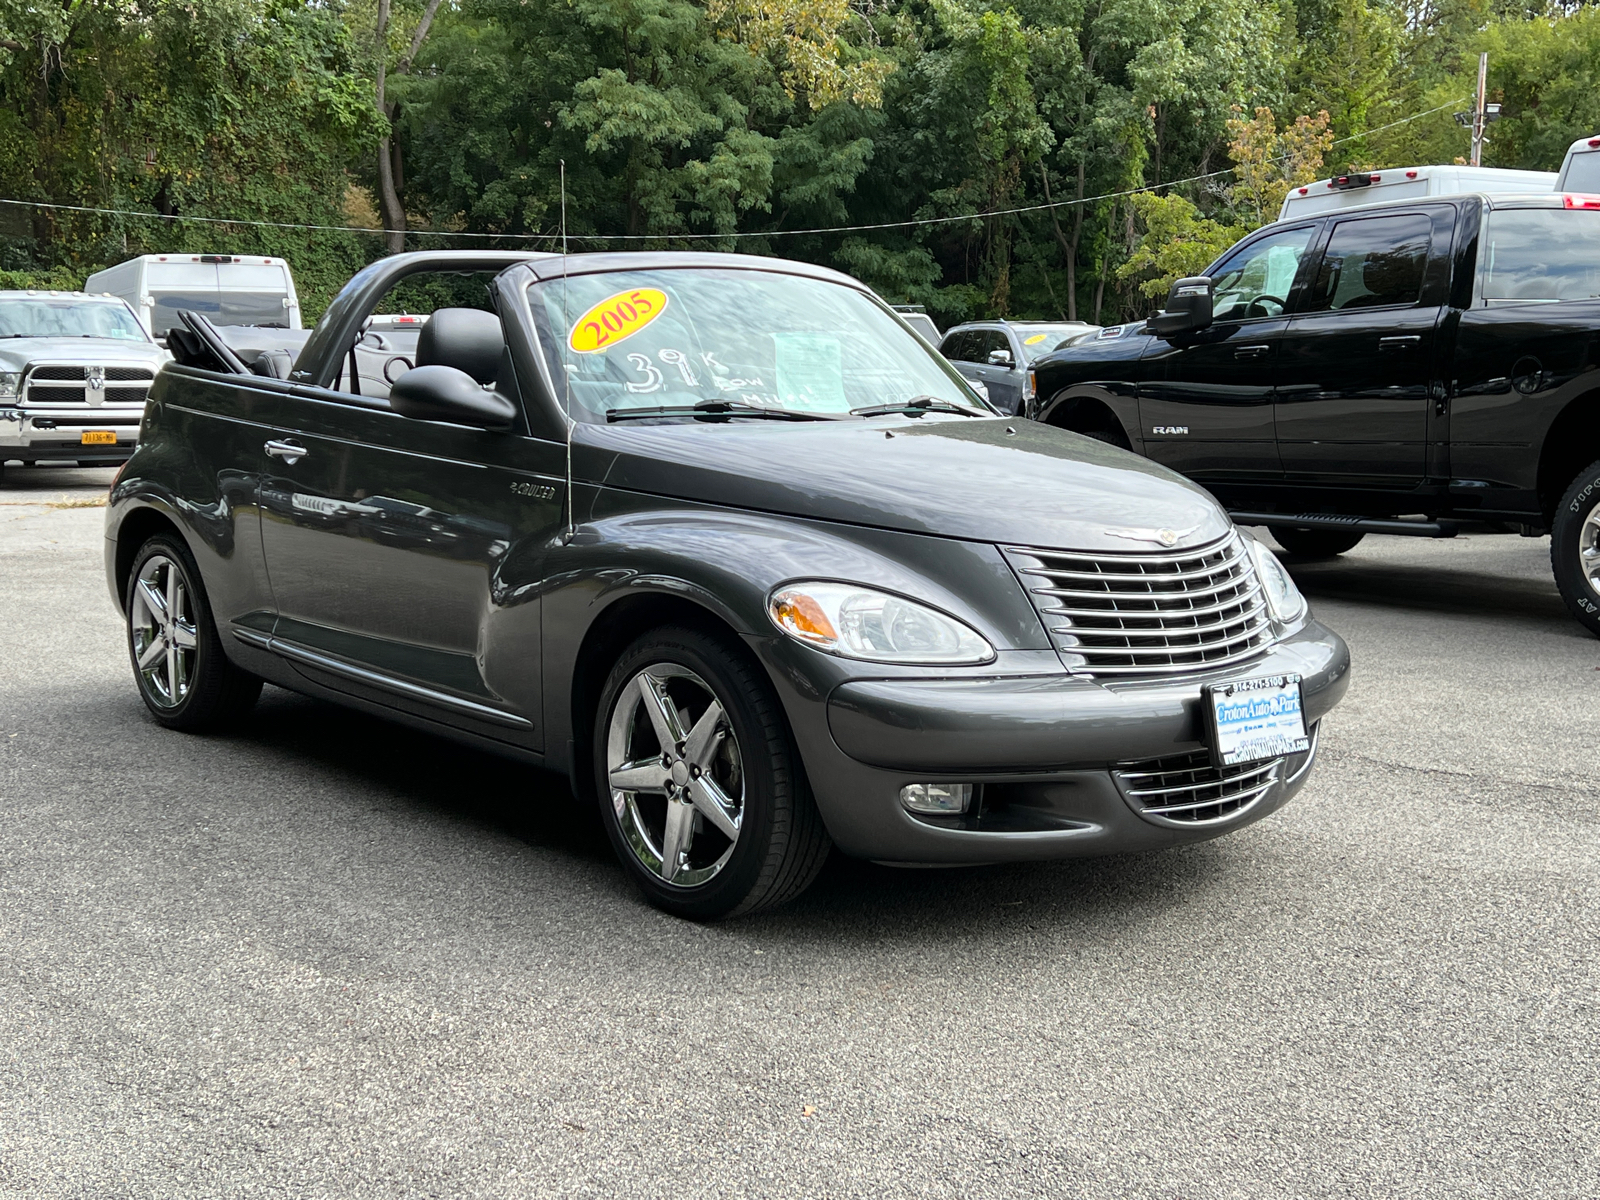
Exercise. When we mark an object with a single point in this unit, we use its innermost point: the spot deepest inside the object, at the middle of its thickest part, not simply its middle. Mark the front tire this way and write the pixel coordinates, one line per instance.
(1316, 543)
(1575, 548)
(701, 789)
(184, 677)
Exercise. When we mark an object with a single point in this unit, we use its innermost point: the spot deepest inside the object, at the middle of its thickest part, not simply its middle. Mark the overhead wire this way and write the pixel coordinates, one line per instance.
(563, 236)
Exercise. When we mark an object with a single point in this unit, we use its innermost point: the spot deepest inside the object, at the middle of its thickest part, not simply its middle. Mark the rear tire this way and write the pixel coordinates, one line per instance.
(184, 677)
(1575, 548)
(721, 797)
(1316, 543)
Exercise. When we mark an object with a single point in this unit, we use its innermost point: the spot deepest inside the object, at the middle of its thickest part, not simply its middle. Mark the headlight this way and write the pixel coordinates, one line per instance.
(858, 622)
(9, 382)
(1284, 600)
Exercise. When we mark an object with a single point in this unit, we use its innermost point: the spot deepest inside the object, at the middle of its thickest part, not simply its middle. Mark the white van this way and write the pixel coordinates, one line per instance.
(1580, 170)
(230, 289)
(1410, 183)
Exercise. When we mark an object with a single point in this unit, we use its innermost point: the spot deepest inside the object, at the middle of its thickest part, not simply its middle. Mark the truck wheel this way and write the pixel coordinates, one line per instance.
(184, 677)
(1575, 547)
(701, 789)
(1316, 543)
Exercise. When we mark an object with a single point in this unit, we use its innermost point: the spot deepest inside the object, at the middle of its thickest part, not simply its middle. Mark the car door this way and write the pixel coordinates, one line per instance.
(1359, 364)
(404, 558)
(961, 348)
(1207, 405)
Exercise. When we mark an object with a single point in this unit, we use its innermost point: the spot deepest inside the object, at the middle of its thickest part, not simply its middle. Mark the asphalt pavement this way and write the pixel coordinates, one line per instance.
(327, 957)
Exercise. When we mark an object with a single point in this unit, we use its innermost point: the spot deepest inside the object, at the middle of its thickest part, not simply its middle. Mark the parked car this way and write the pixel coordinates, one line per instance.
(916, 316)
(721, 539)
(1360, 188)
(1333, 375)
(998, 354)
(230, 289)
(74, 373)
(1580, 169)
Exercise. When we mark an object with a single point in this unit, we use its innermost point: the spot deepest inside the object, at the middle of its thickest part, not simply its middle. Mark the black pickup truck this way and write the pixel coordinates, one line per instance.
(1407, 367)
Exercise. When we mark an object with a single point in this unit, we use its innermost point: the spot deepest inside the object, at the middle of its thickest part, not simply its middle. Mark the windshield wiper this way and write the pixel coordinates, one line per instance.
(919, 404)
(713, 408)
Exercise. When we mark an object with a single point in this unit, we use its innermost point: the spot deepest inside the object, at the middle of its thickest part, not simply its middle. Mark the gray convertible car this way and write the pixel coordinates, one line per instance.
(725, 542)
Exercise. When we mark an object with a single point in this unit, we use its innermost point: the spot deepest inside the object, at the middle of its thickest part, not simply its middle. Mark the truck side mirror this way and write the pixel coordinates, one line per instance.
(439, 393)
(1188, 308)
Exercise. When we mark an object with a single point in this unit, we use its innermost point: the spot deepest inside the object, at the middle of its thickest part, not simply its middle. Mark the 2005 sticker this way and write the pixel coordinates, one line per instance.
(615, 318)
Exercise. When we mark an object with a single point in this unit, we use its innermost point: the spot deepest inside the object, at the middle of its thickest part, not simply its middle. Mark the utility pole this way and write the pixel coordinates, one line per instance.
(1478, 110)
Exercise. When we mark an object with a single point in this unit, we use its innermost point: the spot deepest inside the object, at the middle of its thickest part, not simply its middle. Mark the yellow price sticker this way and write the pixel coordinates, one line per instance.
(615, 318)
(1035, 339)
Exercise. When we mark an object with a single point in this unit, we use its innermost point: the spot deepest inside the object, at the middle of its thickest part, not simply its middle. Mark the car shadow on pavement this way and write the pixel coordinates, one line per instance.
(1431, 589)
(851, 902)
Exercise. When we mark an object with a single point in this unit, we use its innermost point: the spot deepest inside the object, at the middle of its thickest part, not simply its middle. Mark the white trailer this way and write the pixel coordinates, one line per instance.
(230, 289)
(1409, 183)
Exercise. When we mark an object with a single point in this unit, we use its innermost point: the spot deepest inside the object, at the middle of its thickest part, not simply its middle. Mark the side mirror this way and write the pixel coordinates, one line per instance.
(1000, 358)
(1188, 308)
(438, 393)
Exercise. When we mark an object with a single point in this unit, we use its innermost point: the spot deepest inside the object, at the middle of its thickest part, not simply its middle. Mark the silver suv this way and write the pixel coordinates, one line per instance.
(999, 354)
(74, 373)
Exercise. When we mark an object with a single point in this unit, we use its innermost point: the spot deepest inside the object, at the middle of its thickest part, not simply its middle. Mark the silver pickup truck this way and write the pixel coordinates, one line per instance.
(74, 373)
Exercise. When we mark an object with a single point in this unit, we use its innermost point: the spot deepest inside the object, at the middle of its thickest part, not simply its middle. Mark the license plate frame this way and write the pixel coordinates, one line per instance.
(1248, 720)
(97, 437)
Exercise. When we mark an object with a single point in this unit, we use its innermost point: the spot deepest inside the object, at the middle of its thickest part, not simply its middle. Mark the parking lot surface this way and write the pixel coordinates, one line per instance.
(325, 956)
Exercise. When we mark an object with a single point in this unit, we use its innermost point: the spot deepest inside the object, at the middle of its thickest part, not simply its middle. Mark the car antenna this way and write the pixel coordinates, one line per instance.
(566, 369)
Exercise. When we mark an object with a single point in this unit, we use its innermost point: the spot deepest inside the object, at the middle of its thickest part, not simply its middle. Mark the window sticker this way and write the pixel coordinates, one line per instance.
(615, 318)
(1035, 339)
(810, 372)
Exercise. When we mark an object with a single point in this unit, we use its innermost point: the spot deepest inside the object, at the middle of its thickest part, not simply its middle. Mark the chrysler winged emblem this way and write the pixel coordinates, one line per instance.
(1161, 537)
(94, 386)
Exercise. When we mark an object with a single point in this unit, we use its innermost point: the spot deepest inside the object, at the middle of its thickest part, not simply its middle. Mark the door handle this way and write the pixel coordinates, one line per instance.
(1251, 351)
(290, 452)
(1405, 342)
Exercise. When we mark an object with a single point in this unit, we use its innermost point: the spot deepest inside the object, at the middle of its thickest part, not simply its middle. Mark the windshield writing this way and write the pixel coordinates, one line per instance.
(676, 338)
(37, 317)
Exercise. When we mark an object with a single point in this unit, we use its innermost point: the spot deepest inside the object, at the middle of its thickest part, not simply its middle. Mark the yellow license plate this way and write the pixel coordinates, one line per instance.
(99, 437)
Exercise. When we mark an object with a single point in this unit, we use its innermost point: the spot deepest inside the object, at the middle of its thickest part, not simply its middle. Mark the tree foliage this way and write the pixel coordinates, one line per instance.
(742, 124)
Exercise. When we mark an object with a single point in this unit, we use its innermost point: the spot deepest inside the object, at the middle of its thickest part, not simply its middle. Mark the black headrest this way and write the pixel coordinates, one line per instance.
(467, 339)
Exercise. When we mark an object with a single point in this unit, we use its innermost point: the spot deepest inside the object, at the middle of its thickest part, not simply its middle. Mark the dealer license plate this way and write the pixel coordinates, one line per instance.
(1252, 719)
(98, 437)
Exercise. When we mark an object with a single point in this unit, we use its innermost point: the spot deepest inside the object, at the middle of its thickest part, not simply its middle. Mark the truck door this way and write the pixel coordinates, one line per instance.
(1358, 364)
(1206, 408)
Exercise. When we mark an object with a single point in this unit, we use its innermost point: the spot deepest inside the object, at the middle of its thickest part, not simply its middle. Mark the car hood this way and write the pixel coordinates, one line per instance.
(17, 353)
(1006, 481)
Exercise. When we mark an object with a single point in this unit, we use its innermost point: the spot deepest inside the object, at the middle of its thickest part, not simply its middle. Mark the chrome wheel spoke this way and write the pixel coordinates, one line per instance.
(153, 653)
(172, 673)
(184, 636)
(155, 603)
(676, 837)
(713, 803)
(647, 775)
(662, 712)
(703, 740)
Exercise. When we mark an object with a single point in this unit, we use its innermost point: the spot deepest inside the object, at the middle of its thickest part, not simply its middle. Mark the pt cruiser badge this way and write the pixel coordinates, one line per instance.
(677, 560)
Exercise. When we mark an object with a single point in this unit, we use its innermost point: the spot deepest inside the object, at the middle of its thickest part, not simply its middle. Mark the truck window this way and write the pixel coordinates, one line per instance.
(1533, 254)
(224, 308)
(1255, 281)
(1372, 263)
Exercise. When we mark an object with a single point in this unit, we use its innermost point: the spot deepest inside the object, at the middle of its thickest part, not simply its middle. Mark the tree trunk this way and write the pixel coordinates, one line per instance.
(1069, 246)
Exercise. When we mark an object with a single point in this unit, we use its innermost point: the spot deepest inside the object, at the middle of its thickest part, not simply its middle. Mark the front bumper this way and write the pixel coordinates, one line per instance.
(34, 434)
(1046, 749)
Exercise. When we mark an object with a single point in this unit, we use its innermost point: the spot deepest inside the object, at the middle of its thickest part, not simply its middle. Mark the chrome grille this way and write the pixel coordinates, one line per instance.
(1188, 789)
(68, 383)
(1132, 615)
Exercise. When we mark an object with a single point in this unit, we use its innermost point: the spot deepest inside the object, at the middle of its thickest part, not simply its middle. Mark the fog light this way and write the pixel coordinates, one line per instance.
(937, 799)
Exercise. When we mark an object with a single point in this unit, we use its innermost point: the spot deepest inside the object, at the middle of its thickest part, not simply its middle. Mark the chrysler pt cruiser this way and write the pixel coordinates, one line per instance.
(724, 541)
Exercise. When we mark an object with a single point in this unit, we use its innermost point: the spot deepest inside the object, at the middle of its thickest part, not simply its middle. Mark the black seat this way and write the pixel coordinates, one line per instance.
(467, 339)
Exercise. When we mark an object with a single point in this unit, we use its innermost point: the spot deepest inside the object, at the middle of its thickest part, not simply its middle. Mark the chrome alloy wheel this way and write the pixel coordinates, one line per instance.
(676, 776)
(162, 626)
(1589, 549)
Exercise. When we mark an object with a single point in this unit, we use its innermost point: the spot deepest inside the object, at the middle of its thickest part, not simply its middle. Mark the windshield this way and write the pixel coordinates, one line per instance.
(223, 308)
(676, 338)
(1583, 173)
(38, 316)
(1039, 340)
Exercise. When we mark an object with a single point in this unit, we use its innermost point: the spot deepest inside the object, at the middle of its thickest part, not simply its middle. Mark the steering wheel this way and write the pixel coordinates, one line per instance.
(1257, 307)
(388, 366)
